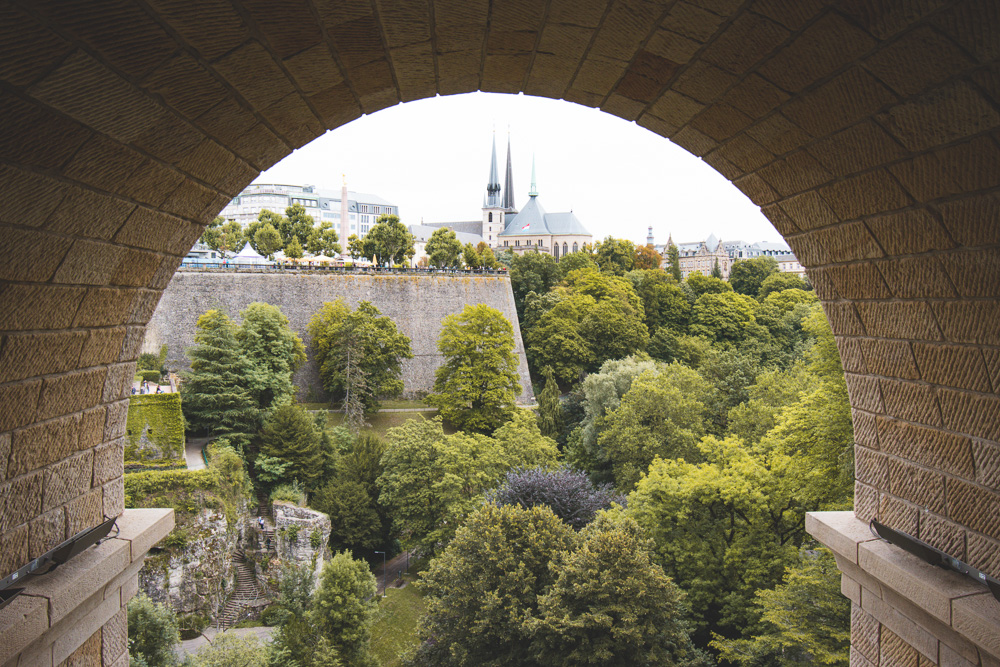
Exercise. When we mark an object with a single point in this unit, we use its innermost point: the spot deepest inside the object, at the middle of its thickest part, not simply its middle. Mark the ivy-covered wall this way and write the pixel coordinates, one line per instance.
(155, 428)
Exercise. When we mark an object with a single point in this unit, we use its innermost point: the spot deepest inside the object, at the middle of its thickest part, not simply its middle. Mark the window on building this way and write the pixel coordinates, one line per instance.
(574, 246)
(565, 248)
(490, 218)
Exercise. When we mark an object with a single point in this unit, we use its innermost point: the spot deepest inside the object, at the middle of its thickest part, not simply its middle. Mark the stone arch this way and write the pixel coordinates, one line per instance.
(866, 131)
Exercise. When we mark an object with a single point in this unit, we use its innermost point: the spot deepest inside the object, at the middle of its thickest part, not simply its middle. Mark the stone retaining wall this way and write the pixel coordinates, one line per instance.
(417, 303)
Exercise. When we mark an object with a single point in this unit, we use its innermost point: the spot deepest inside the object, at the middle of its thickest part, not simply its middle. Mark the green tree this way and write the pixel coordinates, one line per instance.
(296, 224)
(355, 247)
(555, 339)
(322, 240)
(351, 497)
(152, 632)
(531, 272)
(615, 256)
(477, 384)
(470, 256)
(674, 262)
(487, 259)
(215, 393)
(212, 235)
(806, 619)
(229, 650)
(388, 241)
(231, 238)
(293, 249)
(359, 352)
(573, 262)
(550, 416)
(266, 241)
(661, 415)
(291, 437)
(747, 275)
(522, 444)
(663, 302)
(780, 281)
(486, 584)
(344, 609)
(716, 270)
(431, 481)
(701, 285)
(274, 350)
(724, 317)
(443, 248)
(611, 604)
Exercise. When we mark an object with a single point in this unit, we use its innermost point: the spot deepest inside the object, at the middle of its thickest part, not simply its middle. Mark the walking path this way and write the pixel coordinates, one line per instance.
(192, 453)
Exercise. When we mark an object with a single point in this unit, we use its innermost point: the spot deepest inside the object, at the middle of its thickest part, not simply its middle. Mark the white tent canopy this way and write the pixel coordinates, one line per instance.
(249, 256)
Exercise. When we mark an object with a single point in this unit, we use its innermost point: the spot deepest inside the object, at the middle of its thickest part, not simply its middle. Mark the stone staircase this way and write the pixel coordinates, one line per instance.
(245, 593)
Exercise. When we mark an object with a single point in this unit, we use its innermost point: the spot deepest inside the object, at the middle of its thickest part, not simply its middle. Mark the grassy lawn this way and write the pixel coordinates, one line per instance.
(396, 628)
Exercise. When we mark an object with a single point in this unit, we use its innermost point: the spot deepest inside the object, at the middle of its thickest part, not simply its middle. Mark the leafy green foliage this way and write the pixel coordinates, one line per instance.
(664, 303)
(388, 241)
(323, 240)
(674, 262)
(615, 256)
(359, 353)
(477, 384)
(443, 248)
(275, 351)
(266, 241)
(212, 234)
(152, 632)
(724, 317)
(550, 416)
(230, 650)
(154, 428)
(531, 272)
(293, 249)
(291, 437)
(700, 284)
(806, 619)
(779, 282)
(344, 608)
(747, 275)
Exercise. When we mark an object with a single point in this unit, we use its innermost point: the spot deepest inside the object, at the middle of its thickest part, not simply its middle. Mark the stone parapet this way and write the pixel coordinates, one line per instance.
(905, 611)
(77, 610)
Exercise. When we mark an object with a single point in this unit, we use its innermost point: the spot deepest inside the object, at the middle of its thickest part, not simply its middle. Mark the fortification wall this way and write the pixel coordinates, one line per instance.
(416, 302)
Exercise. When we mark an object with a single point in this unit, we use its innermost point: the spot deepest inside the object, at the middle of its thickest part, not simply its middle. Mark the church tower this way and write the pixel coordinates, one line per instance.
(493, 204)
(508, 186)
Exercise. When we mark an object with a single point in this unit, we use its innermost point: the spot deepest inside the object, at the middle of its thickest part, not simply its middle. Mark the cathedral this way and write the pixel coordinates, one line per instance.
(504, 227)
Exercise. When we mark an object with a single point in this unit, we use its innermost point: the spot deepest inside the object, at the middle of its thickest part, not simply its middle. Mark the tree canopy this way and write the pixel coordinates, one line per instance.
(477, 385)
(388, 241)
(747, 275)
(615, 256)
(443, 248)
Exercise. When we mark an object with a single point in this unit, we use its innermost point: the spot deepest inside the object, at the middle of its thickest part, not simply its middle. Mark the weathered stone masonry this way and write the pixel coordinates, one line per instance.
(417, 303)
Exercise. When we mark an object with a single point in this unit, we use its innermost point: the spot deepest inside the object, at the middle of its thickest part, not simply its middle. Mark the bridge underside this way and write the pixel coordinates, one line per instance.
(866, 130)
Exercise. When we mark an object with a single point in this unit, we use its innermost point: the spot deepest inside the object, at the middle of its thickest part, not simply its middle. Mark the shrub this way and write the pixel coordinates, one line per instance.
(152, 632)
(567, 492)
(150, 376)
(155, 428)
(291, 493)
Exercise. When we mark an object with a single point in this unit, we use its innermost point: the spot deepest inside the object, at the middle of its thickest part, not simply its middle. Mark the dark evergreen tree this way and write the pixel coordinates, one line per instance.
(215, 395)
(550, 417)
(674, 262)
(291, 437)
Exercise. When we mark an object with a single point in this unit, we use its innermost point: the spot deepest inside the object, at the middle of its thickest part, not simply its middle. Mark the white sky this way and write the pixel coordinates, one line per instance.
(431, 158)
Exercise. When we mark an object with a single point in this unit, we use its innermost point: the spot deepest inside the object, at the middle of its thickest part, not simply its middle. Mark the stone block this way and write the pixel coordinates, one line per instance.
(92, 427)
(846, 99)
(975, 414)
(865, 501)
(952, 365)
(77, 627)
(135, 268)
(24, 307)
(931, 589)
(910, 401)
(114, 637)
(897, 513)
(46, 532)
(114, 427)
(809, 211)
(89, 214)
(948, 657)
(977, 617)
(778, 134)
(129, 574)
(987, 458)
(21, 499)
(971, 221)
(857, 280)
(916, 278)
(109, 461)
(974, 507)
(864, 635)
(911, 320)
(851, 356)
(871, 467)
(149, 229)
(865, 429)
(945, 114)
(892, 358)
(105, 307)
(850, 589)
(971, 272)
(918, 485)
(754, 187)
(969, 322)
(942, 534)
(895, 650)
(73, 392)
(21, 622)
(84, 512)
(88, 654)
(841, 532)
(844, 319)
(114, 497)
(4, 454)
(38, 445)
(67, 479)
(864, 392)
(34, 354)
(909, 232)
(858, 148)
(13, 549)
(20, 403)
(119, 382)
(146, 300)
(703, 82)
(88, 263)
(796, 173)
(143, 528)
(871, 193)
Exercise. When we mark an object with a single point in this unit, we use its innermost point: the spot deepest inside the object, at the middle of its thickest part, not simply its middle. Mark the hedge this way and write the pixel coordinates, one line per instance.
(158, 417)
(150, 376)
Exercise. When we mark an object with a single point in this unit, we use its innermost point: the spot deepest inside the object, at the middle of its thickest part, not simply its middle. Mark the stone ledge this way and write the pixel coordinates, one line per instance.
(941, 611)
(50, 599)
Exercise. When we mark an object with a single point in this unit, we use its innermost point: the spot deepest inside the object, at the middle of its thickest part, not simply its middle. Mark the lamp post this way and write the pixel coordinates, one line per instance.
(383, 571)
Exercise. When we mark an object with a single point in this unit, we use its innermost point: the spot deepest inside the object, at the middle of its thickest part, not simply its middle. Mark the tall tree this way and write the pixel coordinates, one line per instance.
(360, 353)
(674, 262)
(470, 257)
(344, 609)
(231, 239)
(531, 272)
(296, 224)
(487, 259)
(747, 275)
(569, 493)
(615, 256)
(323, 239)
(477, 384)
(291, 437)
(274, 349)
(779, 282)
(443, 248)
(212, 235)
(716, 270)
(724, 317)
(215, 393)
(293, 249)
(550, 417)
(388, 241)
(355, 246)
(266, 240)
(646, 257)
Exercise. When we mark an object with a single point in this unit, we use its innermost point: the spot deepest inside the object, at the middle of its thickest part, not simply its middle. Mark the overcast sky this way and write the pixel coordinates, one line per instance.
(431, 158)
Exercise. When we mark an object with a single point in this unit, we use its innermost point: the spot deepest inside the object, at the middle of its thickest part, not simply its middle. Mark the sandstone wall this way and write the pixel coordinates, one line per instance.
(417, 303)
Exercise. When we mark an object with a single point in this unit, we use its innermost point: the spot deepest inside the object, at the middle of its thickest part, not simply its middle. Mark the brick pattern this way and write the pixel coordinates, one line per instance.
(867, 132)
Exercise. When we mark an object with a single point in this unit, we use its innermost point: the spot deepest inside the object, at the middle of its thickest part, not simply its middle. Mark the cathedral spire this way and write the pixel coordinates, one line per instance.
(534, 188)
(508, 186)
(493, 186)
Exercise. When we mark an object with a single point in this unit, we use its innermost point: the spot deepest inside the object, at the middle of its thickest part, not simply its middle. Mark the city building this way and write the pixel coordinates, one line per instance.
(350, 212)
(702, 255)
(504, 227)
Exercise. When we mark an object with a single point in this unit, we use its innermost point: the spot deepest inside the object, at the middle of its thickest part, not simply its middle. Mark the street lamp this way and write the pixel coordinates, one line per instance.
(383, 571)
